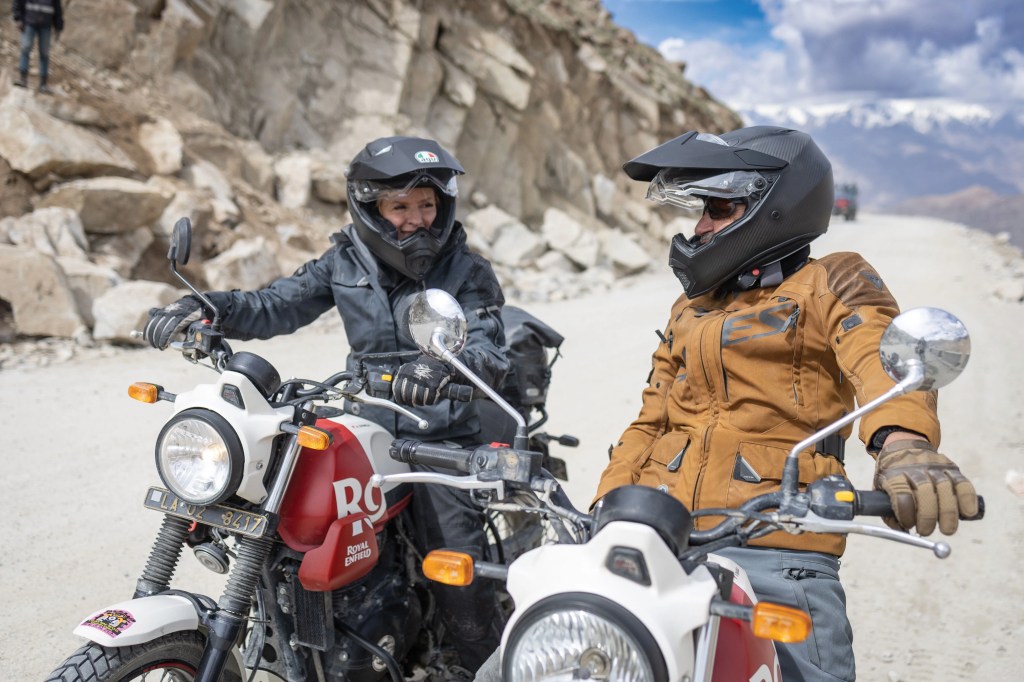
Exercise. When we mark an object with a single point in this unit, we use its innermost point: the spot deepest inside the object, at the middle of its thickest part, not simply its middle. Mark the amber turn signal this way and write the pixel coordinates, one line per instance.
(448, 568)
(314, 438)
(780, 623)
(144, 393)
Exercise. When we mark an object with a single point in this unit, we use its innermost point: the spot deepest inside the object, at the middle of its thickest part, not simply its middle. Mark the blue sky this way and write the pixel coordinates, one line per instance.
(748, 52)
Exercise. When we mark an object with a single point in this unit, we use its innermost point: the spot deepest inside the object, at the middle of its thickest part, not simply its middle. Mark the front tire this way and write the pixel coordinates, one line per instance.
(171, 658)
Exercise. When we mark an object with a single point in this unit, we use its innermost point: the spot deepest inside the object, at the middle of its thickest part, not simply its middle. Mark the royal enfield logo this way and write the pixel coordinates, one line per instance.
(426, 157)
(357, 553)
(112, 622)
(353, 497)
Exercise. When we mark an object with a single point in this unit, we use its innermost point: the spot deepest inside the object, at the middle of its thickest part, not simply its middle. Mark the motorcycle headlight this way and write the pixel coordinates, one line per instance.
(199, 457)
(578, 637)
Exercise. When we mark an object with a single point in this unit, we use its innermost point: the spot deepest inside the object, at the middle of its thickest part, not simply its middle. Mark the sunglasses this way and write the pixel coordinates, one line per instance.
(718, 208)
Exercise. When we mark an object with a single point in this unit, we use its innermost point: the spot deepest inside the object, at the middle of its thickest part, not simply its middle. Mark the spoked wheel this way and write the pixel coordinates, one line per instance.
(171, 658)
(513, 533)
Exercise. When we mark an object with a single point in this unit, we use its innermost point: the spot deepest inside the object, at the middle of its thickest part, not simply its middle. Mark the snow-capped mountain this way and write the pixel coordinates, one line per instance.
(899, 149)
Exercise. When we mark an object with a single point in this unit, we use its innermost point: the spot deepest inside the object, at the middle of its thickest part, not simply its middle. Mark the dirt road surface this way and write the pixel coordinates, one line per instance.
(78, 456)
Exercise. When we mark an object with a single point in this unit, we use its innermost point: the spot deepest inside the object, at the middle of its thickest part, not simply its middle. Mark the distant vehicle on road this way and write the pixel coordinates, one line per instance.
(846, 201)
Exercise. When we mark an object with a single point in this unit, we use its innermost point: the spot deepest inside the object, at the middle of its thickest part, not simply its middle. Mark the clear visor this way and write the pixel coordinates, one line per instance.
(373, 190)
(670, 186)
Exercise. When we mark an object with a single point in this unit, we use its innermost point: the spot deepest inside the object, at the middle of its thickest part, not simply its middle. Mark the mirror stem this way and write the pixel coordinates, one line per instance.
(791, 470)
(522, 437)
(202, 297)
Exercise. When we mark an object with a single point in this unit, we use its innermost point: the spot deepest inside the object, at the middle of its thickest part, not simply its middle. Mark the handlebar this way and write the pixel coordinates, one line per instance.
(877, 503)
(442, 456)
(462, 393)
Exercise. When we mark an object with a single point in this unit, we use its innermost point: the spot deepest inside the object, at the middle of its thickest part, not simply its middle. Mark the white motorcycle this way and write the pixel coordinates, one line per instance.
(632, 592)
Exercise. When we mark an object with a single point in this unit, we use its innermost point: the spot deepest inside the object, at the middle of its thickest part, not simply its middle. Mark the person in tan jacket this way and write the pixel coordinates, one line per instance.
(766, 346)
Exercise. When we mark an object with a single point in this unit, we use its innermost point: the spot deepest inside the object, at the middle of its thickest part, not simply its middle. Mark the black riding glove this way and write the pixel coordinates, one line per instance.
(170, 321)
(419, 382)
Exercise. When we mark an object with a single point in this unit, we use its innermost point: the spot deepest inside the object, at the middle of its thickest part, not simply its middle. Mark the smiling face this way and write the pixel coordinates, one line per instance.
(415, 210)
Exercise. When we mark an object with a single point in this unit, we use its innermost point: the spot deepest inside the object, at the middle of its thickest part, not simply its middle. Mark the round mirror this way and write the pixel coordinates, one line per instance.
(435, 314)
(930, 337)
(181, 241)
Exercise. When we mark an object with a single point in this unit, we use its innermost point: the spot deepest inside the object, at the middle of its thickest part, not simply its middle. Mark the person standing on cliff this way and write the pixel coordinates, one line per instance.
(37, 20)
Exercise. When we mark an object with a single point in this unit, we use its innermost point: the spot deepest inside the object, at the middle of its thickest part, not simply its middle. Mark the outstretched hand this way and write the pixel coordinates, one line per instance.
(171, 321)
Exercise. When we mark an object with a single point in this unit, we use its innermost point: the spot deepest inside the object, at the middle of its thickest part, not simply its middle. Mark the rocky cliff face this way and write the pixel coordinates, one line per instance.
(242, 115)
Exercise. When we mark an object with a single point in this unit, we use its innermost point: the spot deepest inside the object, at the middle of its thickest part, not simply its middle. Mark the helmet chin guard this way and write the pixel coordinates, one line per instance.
(782, 177)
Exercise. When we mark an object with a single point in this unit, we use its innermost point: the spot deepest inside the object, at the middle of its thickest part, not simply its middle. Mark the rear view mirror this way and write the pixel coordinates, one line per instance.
(437, 323)
(928, 339)
(181, 242)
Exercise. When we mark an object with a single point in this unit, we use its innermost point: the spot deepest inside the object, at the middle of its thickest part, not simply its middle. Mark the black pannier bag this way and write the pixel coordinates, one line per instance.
(529, 343)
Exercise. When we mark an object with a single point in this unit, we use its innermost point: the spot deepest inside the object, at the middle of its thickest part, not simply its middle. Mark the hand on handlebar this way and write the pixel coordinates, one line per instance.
(171, 321)
(925, 487)
(419, 383)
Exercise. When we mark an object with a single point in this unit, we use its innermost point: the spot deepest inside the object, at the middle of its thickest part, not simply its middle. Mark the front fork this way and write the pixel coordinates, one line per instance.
(226, 623)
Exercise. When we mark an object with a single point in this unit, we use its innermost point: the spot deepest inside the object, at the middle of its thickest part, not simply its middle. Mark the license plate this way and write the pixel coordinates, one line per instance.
(216, 515)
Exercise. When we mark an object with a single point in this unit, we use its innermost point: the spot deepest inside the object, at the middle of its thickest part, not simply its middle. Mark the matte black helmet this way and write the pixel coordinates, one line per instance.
(391, 167)
(780, 175)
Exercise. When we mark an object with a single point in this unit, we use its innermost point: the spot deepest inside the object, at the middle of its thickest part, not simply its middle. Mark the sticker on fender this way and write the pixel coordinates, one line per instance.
(216, 515)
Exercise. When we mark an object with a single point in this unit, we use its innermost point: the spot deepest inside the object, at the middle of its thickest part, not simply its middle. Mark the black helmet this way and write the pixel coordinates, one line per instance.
(392, 166)
(781, 176)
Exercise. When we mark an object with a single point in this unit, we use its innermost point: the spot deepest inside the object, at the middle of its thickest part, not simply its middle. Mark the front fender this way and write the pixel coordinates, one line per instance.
(139, 620)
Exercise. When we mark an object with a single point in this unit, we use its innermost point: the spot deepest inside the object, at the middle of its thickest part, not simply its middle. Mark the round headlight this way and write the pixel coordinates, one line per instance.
(199, 457)
(581, 636)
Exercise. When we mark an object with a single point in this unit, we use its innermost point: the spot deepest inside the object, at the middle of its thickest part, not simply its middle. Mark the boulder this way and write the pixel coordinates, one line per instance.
(100, 30)
(626, 256)
(88, 282)
(293, 175)
(54, 231)
(38, 293)
(487, 222)
(37, 144)
(125, 308)
(164, 145)
(248, 264)
(122, 252)
(516, 245)
(109, 205)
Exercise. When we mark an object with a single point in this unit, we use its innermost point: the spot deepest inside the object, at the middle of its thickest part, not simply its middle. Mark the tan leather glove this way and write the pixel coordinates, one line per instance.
(924, 487)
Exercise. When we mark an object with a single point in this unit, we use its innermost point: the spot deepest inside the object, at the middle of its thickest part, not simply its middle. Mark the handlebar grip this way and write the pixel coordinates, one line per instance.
(876, 503)
(872, 503)
(442, 456)
(459, 392)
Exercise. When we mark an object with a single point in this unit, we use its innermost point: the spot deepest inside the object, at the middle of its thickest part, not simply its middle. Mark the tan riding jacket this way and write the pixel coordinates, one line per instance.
(738, 381)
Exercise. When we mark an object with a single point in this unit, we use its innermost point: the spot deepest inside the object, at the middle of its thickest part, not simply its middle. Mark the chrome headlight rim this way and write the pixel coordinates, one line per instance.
(236, 455)
(595, 605)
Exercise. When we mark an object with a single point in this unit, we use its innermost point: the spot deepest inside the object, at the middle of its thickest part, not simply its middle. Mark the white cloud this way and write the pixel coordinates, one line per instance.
(826, 49)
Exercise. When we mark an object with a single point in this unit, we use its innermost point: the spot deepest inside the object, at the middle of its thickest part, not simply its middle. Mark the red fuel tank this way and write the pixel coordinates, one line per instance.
(329, 485)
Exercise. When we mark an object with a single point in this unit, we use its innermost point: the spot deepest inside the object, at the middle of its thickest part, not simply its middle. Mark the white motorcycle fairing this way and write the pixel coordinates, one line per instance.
(139, 620)
(142, 620)
(257, 424)
(671, 607)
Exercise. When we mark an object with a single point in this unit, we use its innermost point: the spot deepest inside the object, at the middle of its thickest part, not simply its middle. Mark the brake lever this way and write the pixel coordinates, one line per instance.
(461, 482)
(362, 397)
(816, 524)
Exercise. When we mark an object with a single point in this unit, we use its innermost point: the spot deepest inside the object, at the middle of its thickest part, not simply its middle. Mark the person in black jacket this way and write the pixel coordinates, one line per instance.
(403, 238)
(36, 20)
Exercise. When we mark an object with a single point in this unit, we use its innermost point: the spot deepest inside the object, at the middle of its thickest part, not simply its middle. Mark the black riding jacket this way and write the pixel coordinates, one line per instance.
(372, 302)
(38, 13)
